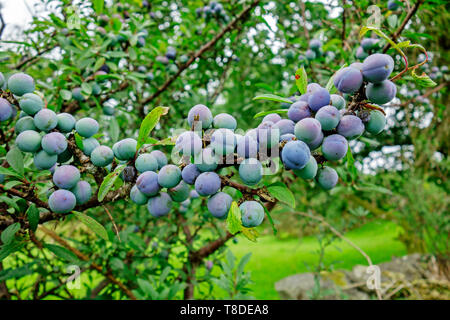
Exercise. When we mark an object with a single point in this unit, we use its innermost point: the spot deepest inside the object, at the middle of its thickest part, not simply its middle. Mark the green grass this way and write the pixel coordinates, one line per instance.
(273, 259)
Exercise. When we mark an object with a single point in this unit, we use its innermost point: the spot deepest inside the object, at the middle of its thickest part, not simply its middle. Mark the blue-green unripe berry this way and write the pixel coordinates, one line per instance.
(376, 123)
(44, 161)
(146, 162)
(89, 145)
(29, 141)
(252, 214)
(66, 122)
(82, 192)
(160, 157)
(31, 103)
(169, 176)
(102, 156)
(20, 84)
(138, 197)
(225, 120)
(86, 127)
(45, 120)
(337, 101)
(108, 110)
(382, 92)
(251, 171)
(96, 89)
(328, 117)
(125, 149)
(77, 95)
(309, 171)
(223, 141)
(180, 192)
(206, 160)
(23, 124)
(327, 178)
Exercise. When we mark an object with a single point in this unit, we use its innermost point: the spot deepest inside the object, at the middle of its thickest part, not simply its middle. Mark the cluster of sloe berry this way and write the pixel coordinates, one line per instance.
(315, 119)
(212, 10)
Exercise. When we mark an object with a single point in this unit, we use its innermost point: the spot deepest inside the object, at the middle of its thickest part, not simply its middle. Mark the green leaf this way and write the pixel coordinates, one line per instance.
(269, 216)
(282, 193)
(250, 233)
(108, 182)
(6, 250)
(301, 80)
(9, 233)
(79, 141)
(92, 224)
(147, 289)
(245, 259)
(99, 63)
(65, 94)
(265, 113)
(368, 187)
(272, 97)
(10, 202)
(9, 172)
(16, 273)
(369, 142)
(12, 184)
(15, 160)
(62, 252)
(234, 223)
(33, 216)
(149, 123)
(165, 142)
(114, 129)
(392, 20)
(86, 88)
(98, 6)
(351, 164)
(422, 80)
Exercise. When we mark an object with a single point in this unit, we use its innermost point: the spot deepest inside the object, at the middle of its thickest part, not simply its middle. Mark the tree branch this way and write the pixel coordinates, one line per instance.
(203, 49)
(403, 25)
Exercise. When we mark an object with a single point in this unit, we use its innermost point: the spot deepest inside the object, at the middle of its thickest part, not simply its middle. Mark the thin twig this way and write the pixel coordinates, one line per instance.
(341, 236)
(113, 222)
(403, 25)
